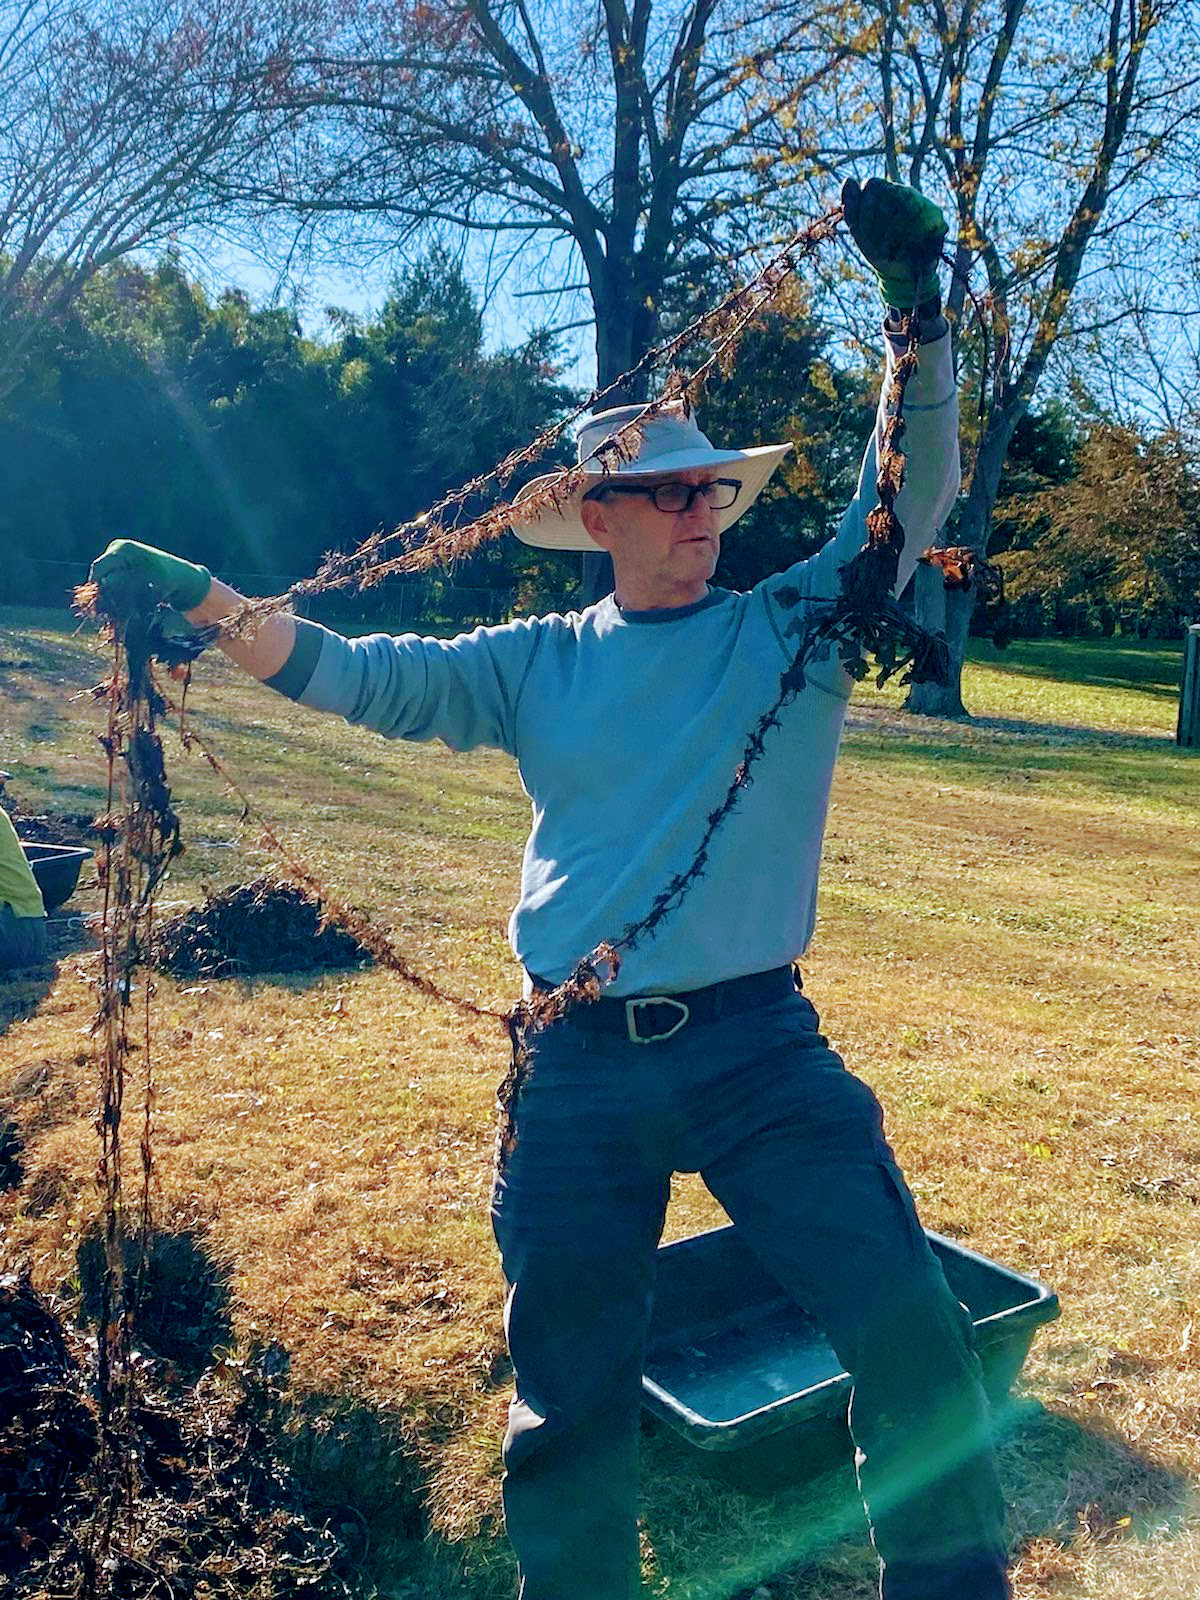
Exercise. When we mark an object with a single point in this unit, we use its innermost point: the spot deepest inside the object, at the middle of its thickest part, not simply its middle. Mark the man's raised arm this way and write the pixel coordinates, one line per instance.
(900, 235)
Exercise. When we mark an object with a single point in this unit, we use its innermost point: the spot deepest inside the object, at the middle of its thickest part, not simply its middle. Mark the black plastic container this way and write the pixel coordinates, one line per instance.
(740, 1373)
(56, 868)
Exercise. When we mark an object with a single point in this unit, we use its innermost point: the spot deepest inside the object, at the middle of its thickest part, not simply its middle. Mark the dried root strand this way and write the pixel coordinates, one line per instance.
(963, 566)
(863, 621)
(433, 539)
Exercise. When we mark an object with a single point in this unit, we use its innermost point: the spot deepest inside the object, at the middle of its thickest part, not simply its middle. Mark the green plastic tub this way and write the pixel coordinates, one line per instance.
(739, 1372)
(56, 868)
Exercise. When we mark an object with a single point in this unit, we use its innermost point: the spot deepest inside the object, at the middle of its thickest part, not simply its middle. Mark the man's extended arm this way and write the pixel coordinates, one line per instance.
(268, 648)
(931, 481)
(931, 468)
(128, 571)
(900, 234)
(463, 691)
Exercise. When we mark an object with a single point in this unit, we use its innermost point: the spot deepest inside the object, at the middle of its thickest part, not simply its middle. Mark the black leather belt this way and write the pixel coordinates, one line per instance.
(651, 1018)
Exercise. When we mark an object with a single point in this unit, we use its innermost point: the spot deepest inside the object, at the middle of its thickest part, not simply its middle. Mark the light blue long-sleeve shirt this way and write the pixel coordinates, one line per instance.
(627, 728)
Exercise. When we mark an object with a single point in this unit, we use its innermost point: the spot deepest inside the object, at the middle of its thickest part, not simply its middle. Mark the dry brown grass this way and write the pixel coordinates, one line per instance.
(1009, 952)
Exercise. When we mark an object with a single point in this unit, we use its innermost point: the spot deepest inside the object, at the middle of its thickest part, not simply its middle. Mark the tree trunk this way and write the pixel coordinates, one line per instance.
(953, 614)
(626, 327)
(955, 609)
(929, 596)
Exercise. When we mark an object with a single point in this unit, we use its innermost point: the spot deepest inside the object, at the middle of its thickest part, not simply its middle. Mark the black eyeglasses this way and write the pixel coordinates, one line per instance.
(676, 496)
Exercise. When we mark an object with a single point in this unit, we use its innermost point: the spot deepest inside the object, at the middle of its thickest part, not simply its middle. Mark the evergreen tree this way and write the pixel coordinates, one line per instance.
(219, 431)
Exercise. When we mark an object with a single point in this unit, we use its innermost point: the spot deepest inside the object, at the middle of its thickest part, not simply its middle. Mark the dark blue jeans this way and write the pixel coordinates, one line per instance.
(23, 940)
(792, 1145)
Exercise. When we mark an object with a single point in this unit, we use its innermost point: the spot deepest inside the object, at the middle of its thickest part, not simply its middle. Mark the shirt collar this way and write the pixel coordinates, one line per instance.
(714, 597)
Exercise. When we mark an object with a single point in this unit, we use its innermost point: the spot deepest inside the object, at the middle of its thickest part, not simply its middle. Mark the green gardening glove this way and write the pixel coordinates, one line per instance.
(128, 570)
(900, 234)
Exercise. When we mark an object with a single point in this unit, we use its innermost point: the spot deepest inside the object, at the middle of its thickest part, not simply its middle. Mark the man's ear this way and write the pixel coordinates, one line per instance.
(591, 514)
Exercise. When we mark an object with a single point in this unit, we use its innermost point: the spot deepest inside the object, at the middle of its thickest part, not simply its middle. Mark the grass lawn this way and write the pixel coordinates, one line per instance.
(1008, 951)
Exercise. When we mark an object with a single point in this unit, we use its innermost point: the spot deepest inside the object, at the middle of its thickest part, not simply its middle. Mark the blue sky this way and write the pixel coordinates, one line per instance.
(509, 314)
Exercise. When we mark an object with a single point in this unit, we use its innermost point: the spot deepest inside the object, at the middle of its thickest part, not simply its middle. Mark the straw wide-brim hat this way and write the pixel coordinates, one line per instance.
(669, 440)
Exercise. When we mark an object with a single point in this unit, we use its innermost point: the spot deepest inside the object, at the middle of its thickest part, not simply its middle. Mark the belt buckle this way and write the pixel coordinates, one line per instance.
(631, 1021)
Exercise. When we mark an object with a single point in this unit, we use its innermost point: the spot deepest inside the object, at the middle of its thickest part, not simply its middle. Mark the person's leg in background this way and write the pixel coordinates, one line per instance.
(23, 940)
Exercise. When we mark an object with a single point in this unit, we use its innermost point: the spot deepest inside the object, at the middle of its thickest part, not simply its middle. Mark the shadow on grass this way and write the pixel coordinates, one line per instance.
(31, 652)
(346, 1469)
(357, 1473)
(808, 1537)
(353, 1470)
(23, 990)
(183, 1314)
(1062, 1477)
(967, 733)
(72, 655)
(1085, 761)
(1150, 668)
(41, 677)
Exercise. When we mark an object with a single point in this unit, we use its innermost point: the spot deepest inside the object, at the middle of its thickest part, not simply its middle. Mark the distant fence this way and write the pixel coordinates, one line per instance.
(1040, 616)
(417, 601)
(398, 604)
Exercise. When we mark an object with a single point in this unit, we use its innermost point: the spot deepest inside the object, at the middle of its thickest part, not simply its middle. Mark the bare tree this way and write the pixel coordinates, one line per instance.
(115, 122)
(1135, 356)
(1047, 129)
(632, 145)
(629, 145)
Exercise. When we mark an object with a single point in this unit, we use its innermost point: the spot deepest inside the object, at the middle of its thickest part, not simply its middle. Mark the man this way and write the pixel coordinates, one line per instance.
(627, 721)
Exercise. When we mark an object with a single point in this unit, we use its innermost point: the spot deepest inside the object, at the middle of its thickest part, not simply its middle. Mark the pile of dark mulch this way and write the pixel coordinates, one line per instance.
(49, 827)
(216, 1511)
(264, 926)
